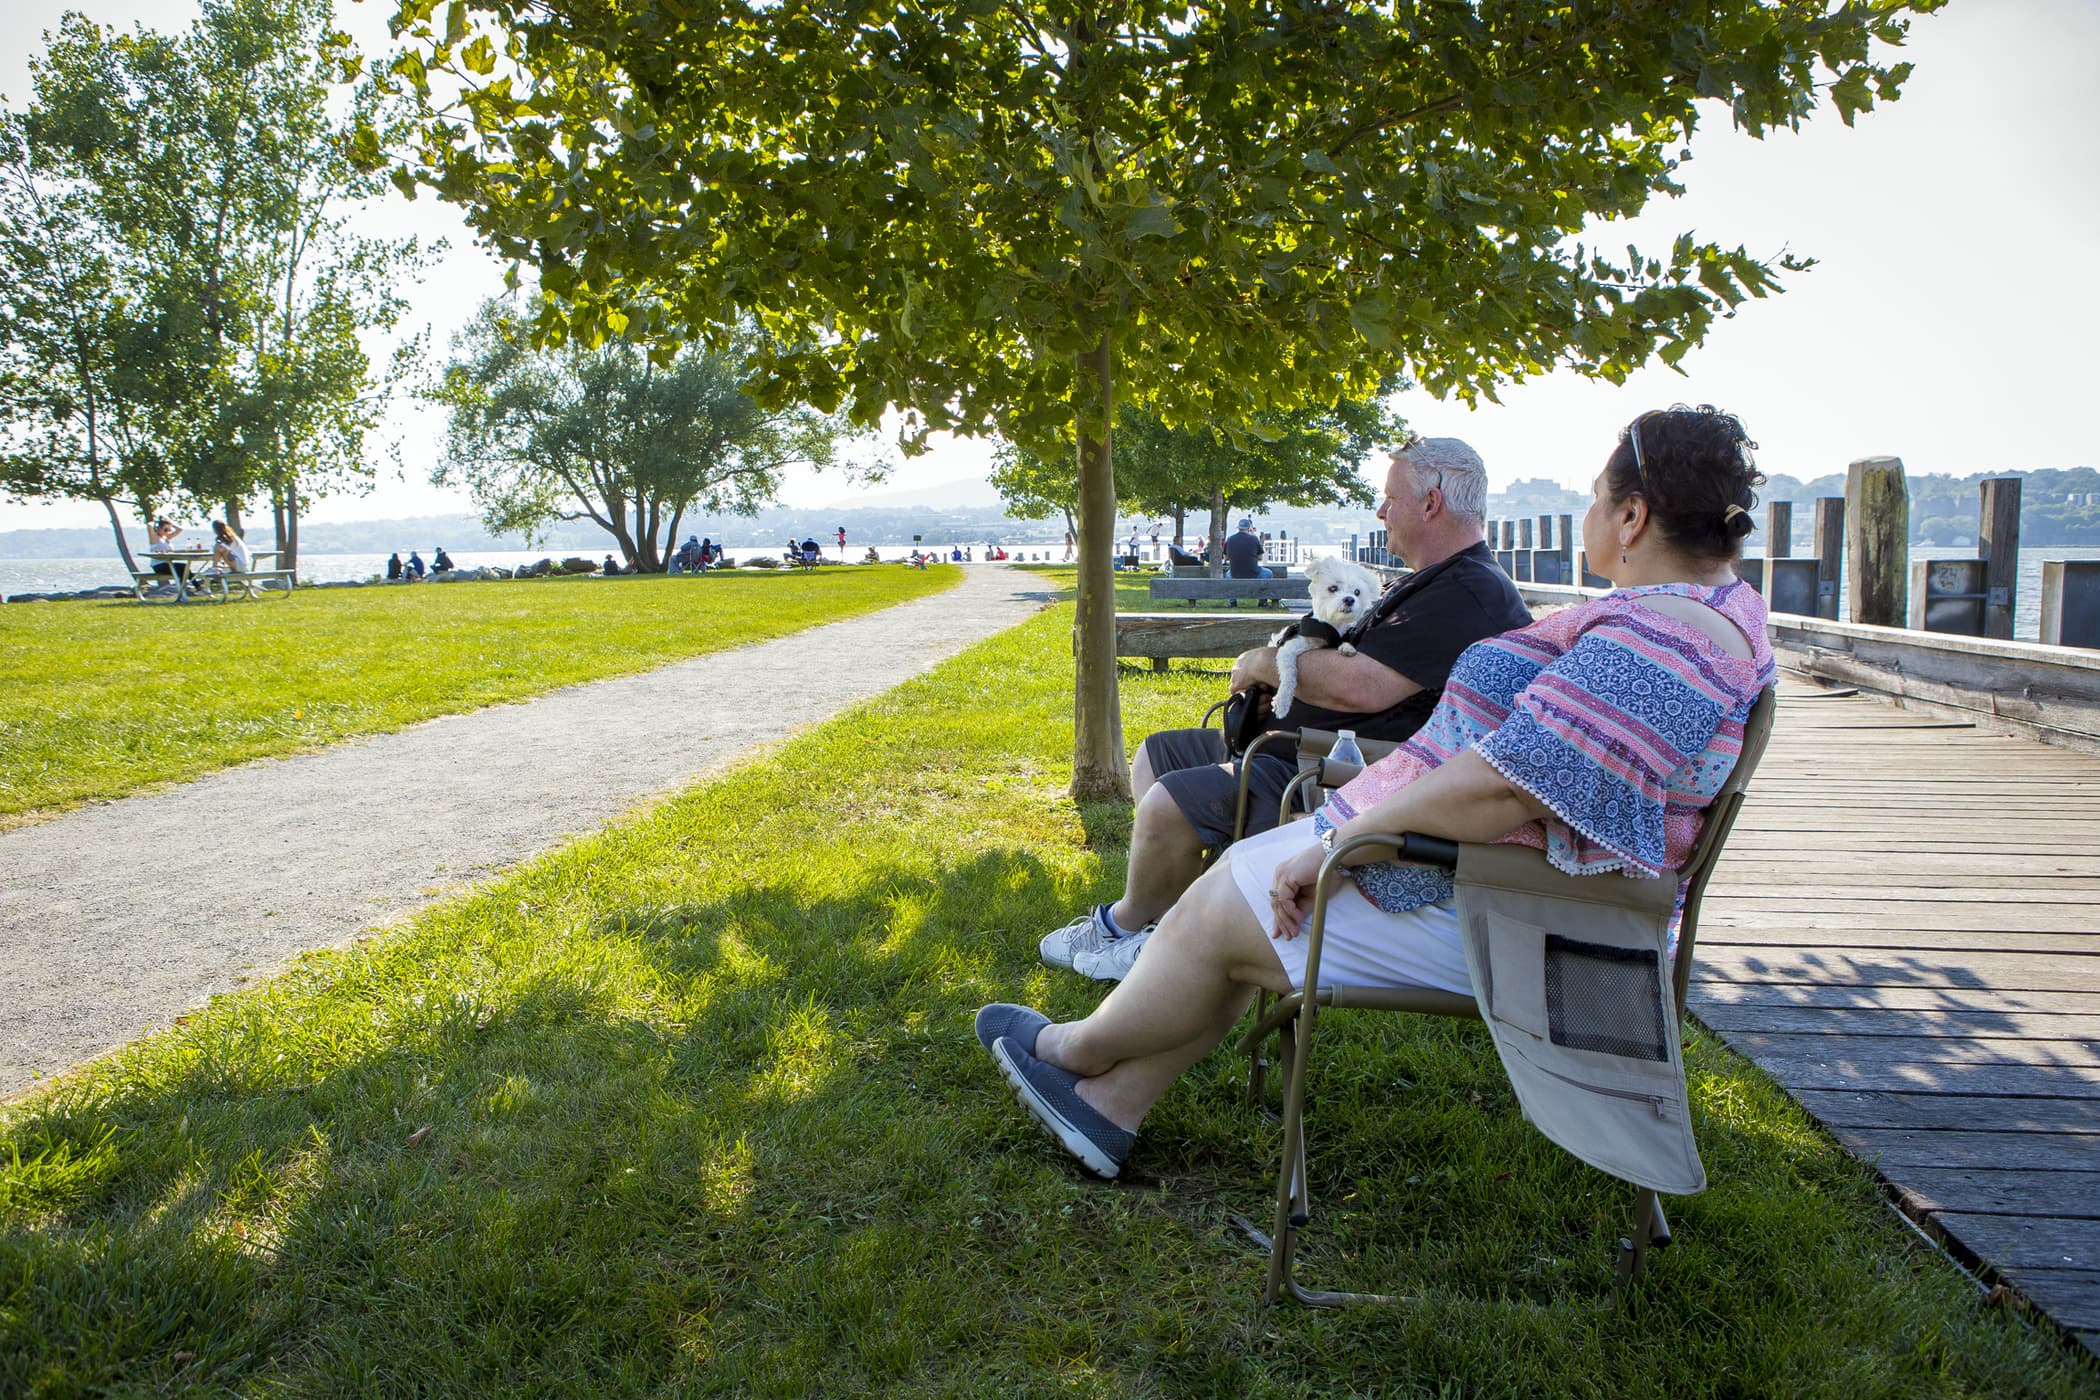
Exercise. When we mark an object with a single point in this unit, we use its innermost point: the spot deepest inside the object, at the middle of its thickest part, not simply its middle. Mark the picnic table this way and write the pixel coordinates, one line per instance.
(194, 579)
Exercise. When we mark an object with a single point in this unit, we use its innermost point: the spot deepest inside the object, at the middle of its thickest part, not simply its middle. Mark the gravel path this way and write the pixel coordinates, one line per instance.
(122, 915)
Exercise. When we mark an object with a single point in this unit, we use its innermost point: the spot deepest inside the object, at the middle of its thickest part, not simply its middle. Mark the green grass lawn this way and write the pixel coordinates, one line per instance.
(99, 699)
(693, 1108)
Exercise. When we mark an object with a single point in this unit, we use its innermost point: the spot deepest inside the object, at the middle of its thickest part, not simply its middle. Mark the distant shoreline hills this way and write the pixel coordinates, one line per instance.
(890, 524)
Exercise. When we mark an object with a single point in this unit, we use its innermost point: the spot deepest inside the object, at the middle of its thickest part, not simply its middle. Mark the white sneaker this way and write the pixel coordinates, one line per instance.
(1111, 961)
(1089, 942)
(1084, 934)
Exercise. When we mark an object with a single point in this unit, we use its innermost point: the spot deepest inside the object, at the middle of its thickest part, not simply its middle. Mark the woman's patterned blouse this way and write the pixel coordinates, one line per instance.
(1621, 720)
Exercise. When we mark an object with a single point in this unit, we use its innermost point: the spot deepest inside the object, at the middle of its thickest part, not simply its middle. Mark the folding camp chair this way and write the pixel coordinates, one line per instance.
(1604, 925)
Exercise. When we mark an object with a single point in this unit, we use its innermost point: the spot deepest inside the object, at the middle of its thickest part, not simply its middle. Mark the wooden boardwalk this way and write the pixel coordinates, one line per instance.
(1905, 932)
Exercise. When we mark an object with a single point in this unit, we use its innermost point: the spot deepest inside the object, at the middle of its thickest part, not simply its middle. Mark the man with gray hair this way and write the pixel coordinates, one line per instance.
(1187, 787)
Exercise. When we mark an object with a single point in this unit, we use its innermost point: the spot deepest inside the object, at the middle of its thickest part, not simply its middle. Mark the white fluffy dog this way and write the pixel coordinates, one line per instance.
(1342, 594)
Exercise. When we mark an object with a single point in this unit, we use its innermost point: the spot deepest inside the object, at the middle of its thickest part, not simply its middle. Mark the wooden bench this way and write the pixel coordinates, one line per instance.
(1158, 636)
(1232, 590)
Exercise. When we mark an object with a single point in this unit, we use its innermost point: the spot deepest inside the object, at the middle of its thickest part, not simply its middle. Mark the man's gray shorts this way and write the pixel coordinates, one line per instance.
(1188, 762)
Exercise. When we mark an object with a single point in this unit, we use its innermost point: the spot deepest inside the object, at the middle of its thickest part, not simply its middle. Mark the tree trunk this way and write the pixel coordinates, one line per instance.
(288, 558)
(1181, 527)
(233, 518)
(117, 528)
(1217, 532)
(1099, 772)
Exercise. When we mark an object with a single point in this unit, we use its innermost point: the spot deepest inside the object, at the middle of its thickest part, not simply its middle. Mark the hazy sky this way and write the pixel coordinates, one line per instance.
(1952, 319)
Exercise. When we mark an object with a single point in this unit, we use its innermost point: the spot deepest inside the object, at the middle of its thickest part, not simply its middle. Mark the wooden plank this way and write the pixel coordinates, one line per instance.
(1706, 994)
(1823, 886)
(1780, 909)
(1948, 1112)
(2026, 1242)
(1887, 1021)
(1929, 868)
(1894, 1148)
(1944, 942)
(1190, 634)
(2080, 1058)
(2073, 1294)
(2066, 1195)
(1162, 588)
(1870, 1072)
(1974, 971)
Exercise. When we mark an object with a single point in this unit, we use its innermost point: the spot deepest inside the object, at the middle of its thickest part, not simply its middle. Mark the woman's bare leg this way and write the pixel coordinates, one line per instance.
(1208, 956)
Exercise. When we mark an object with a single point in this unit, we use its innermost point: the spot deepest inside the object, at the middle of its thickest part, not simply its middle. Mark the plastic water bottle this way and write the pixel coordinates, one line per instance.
(1345, 750)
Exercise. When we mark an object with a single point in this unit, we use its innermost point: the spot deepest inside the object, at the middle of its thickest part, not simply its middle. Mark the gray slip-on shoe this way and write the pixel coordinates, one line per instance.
(1051, 1096)
(1020, 1024)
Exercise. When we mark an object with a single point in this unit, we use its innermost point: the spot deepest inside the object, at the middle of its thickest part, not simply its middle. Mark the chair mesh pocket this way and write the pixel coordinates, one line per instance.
(1605, 999)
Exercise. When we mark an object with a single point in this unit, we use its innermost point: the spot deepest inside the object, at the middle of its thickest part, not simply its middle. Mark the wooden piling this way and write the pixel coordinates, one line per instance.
(1878, 548)
(1524, 533)
(1830, 553)
(1568, 547)
(1779, 530)
(1545, 535)
(1998, 545)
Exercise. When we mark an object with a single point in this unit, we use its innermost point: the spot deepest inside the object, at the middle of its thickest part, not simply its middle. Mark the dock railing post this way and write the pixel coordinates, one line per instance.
(2071, 602)
(1779, 530)
(1998, 545)
(1830, 553)
(1568, 548)
(1524, 533)
(1877, 555)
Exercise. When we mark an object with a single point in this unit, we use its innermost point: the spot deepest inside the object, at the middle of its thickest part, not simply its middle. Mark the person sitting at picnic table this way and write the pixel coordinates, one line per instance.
(1599, 734)
(416, 567)
(441, 562)
(162, 538)
(229, 552)
(1177, 555)
(393, 567)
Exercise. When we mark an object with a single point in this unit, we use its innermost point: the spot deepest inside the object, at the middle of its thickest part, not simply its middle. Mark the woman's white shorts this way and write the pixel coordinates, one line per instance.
(1363, 945)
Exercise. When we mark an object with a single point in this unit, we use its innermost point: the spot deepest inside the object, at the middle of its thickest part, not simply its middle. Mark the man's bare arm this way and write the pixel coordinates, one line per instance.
(1353, 684)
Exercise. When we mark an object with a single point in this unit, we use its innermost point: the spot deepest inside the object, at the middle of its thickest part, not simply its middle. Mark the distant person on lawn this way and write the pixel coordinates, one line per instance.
(1243, 551)
(416, 567)
(441, 562)
(1187, 789)
(393, 567)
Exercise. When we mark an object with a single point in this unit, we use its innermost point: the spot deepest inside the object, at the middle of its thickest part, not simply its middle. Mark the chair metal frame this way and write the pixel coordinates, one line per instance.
(1292, 1018)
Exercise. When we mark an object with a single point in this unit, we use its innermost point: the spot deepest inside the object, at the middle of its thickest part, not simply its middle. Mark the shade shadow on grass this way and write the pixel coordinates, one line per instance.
(705, 1116)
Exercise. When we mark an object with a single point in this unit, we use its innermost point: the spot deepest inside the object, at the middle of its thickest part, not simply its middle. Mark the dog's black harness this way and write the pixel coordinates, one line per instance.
(1311, 628)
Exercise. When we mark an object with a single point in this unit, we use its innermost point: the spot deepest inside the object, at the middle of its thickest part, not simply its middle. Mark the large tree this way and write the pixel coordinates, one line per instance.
(613, 436)
(71, 410)
(217, 165)
(1011, 211)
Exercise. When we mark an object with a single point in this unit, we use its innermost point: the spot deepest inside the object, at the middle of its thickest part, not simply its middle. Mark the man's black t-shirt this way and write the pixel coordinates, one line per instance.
(1242, 554)
(1418, 628)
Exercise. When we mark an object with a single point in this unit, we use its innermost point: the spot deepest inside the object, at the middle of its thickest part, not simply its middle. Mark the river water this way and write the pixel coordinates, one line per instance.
(70, 575)
(73, 575)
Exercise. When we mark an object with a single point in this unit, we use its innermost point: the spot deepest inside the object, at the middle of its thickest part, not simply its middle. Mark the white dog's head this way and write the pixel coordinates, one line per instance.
(1342, 591)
